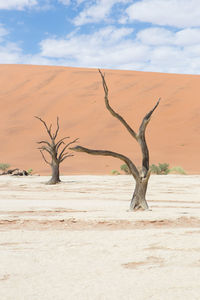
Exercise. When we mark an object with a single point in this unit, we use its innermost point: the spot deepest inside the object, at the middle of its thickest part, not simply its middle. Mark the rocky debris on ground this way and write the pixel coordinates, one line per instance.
(15, 172)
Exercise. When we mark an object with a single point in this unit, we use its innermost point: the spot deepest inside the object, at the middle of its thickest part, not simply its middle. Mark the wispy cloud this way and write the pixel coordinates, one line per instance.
(177, 13)
(17, 4)
(97, 12)
(10, 53)
(3, 32)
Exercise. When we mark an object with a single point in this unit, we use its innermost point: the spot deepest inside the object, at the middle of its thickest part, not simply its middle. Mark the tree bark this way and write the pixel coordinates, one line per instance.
(55, 173)
(138, 201)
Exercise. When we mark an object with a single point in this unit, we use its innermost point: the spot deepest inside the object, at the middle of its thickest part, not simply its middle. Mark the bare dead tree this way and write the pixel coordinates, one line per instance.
(52, 147)
(141, 177)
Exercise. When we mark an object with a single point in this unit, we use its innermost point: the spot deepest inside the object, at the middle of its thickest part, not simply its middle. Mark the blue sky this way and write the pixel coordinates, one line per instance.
(145, 35)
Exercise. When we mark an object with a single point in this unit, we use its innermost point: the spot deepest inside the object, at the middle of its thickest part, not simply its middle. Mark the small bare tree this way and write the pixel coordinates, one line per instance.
(52, 147)
(141, 177)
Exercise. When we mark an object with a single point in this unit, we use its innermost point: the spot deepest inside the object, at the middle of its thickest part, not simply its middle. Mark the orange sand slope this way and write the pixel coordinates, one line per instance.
(76, 96)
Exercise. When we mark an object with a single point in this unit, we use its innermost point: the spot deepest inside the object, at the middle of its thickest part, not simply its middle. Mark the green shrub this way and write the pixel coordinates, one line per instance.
(177, 170)
(115, 172)
(29, 171)
(154, 169)
(164, 168)
(125, 168)
(161, 169)
(4, 167)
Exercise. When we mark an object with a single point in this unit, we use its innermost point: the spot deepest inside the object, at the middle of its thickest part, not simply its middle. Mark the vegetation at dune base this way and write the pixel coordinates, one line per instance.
(163, 169)
(125, 169)
(160, 169)
(115, 172)
(30, 171)
(4, 167)
(177, 170)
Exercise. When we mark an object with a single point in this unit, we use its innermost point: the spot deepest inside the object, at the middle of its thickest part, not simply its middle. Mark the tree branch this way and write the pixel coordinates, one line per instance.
(45, 125)
(63, 150)
(43, 148)
(113, 113)
(44, 158)
(56, 133)
(65, 156)
(142, 141)
(147, 118)
(129, 163)
(44, 142)
(60, 142)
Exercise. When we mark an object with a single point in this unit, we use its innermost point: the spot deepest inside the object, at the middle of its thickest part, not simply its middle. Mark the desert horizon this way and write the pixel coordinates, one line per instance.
(76, 95)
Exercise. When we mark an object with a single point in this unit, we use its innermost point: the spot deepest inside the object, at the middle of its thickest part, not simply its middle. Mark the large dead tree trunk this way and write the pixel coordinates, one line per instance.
(53, 147)
(141, 177)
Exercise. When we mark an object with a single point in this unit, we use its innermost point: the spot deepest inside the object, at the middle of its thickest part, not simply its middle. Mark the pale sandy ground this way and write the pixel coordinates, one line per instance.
(76, 240)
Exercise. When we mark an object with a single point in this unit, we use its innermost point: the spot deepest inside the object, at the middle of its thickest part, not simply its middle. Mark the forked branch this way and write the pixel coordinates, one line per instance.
(146, 119)
(44, 142)
(60, 142)
(142, 141)
(111, 110)
(62, 153)
(45, 125)
(66, 156)
(140, 136)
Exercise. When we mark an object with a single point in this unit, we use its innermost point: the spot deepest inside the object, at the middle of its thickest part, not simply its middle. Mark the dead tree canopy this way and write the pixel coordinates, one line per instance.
(56, 149)
(141, 177)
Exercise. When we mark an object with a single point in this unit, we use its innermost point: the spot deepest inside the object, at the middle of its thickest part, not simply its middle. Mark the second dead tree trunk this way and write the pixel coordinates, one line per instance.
(138, 200)
(53, 147)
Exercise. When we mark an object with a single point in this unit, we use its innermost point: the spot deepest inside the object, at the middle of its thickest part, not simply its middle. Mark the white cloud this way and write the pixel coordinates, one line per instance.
(3, 32)
(152, 49)
(187, 37)
(97, 12)
(155, 36)
(86, 46)
(17, 4)
(10, 53)
(109, 47)
(177, 13)
(37, 60)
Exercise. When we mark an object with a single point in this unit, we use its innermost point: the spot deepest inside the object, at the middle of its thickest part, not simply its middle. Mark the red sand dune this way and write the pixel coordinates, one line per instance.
(76, 96)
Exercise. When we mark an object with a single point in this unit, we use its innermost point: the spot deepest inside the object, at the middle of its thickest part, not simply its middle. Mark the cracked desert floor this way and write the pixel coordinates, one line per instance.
(77, 240)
